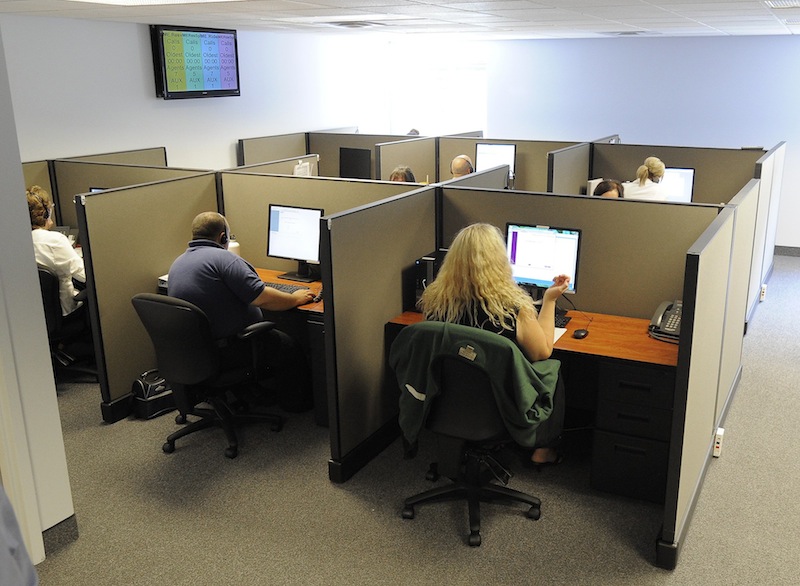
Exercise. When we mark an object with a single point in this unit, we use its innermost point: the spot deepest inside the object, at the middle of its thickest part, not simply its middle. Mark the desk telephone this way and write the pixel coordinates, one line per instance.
(666, 322)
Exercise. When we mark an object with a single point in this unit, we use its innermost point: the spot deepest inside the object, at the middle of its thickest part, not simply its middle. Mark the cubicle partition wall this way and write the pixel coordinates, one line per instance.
(769, 170)
(614, 276)
(719, 173)
(568, 169)
(284, 166)
(697, 381)
(530, 172)
(38, 173)
(364, 252)
(152, 157)
(271, 148)
(419, 154)
(247, 198)
(131, 236)
(329, 145)
(73, 177)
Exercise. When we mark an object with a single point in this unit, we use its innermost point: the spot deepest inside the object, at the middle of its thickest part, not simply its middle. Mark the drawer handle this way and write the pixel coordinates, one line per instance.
(639, 387)
(630, 450)
(633, 417)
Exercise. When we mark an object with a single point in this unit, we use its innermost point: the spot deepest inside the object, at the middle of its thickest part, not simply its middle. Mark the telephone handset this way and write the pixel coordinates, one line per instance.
(666, 322)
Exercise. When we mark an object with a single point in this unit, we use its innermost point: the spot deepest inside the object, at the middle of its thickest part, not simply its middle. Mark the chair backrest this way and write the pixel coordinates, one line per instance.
(185, 350)
(465, 407)
(49, 284)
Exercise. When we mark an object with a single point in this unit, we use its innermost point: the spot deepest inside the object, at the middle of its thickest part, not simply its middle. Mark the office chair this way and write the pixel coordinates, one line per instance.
(69, 336)
(465, 410)
(189, 358)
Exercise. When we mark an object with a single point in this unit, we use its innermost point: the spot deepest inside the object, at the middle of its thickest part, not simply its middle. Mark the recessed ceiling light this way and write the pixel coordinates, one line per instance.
(782, 3)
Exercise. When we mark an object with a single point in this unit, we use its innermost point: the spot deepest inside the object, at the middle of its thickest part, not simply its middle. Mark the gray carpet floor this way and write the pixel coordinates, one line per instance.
(271, 516)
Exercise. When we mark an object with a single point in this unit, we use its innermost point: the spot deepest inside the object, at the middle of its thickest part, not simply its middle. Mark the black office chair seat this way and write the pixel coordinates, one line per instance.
(192, 361)
(465, 410)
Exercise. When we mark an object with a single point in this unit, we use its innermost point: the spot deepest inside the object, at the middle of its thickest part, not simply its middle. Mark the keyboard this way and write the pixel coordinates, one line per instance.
(562, 320)
(286, 287)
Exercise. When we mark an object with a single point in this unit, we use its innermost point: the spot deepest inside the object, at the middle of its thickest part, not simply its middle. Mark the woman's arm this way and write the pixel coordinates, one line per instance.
(536, 335)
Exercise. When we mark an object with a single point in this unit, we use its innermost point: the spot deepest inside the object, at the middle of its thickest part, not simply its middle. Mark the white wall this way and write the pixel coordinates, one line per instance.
(710, 91)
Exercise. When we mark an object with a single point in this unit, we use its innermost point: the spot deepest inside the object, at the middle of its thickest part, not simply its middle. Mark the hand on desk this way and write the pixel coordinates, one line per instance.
(303, 296)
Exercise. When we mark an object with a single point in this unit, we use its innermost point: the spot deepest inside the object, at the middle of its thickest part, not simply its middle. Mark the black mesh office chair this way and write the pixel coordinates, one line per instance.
(465, 410)
(69, 336)
(189, 358)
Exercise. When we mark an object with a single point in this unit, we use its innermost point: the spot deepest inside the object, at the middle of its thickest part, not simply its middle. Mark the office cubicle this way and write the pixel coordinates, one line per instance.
(151, 157)
(289, 166)
(531, 158)
(271, 148)
(568, 169)
(417, 153)
(329, 145)
(131, 236)
(74, 177)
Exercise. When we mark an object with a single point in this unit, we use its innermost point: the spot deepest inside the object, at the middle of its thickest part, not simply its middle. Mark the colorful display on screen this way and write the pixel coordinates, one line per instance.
(199, 61)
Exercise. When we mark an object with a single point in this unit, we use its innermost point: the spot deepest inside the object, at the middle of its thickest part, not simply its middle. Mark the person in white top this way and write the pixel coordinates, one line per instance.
(648, 182)
(53, 249)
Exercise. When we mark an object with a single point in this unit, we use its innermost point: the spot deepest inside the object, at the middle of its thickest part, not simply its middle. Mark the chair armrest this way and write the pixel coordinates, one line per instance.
(81, 295)
(255, 329)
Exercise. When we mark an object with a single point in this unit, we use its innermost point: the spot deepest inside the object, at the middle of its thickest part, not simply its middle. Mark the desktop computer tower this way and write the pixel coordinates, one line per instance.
(418, 276)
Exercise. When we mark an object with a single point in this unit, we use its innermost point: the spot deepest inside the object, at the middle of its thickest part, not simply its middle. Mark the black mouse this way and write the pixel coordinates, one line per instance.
(580, 334)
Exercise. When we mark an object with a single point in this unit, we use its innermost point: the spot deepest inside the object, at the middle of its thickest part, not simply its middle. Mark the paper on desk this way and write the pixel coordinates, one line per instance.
(558, 333)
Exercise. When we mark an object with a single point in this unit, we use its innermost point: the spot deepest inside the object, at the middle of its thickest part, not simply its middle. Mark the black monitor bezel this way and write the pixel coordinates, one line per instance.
(573, 278)
(512, 168)
(269, 221)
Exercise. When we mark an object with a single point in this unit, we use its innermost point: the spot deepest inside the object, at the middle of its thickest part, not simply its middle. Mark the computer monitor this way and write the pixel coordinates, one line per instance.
(678, 183)
(539, 253)
(293, 233)
(488, 155)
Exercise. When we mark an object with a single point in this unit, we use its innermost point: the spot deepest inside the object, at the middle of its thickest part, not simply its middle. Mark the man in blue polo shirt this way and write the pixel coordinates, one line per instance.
(230, 292)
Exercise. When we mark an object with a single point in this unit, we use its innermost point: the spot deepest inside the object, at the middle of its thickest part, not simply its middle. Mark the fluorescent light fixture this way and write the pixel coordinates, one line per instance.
(150, 2)
(782, 3)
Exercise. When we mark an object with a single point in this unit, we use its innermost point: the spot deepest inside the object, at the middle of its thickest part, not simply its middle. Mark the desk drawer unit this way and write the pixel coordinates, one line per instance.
(632, 429)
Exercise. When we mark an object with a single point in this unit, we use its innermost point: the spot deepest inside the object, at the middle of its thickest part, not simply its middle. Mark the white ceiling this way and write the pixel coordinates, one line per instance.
(478, 18)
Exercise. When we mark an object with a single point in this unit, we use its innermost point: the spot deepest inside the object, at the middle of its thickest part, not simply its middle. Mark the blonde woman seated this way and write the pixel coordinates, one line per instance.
(648, 182)
(474, 287)
(53, 249)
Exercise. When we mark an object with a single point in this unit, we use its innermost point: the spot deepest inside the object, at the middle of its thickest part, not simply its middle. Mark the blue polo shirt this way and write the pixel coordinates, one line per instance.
(220, 283)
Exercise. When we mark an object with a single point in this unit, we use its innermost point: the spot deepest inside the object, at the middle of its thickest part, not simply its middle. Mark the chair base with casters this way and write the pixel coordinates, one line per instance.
(222, 415)
(475, 486)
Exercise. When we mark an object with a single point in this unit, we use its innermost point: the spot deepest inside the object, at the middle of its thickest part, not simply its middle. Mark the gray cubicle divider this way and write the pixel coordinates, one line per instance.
(247, 198)
(152, 157)
(327, 144)
(769, 169)
(74, 177)
(568, 168)
(631, 254)
(38, 173)
(271, 148)
(283, 166)
(494, 178)
(705, 296)
(719, 173)
(131, 237)
(531, 158)
(365, 250)
(419, 154)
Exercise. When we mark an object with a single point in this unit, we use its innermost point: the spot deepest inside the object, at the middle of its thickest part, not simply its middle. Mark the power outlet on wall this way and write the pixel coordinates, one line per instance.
(718, 442)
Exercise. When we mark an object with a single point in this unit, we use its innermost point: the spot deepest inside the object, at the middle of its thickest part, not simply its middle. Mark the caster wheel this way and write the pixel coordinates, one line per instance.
(168, 447)
(408, 513)
(180, 419)
(474, 539)
(231, 452)
(534, 513)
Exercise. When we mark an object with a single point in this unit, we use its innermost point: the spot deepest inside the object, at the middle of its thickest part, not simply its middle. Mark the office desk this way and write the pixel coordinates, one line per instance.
(627, 380)
(305, 324)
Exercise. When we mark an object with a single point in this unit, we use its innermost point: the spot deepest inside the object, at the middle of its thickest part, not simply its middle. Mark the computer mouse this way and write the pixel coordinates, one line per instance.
(580, 334)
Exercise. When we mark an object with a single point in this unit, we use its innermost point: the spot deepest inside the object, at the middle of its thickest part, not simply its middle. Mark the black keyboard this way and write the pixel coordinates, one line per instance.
(562, 320)
(286, 287)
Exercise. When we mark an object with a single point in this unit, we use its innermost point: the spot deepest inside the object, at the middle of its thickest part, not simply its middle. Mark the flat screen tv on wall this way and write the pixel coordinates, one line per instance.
(194, 62)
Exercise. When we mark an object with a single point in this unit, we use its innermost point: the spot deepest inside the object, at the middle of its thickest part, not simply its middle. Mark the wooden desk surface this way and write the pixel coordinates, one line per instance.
(270, 276)
(611, 336)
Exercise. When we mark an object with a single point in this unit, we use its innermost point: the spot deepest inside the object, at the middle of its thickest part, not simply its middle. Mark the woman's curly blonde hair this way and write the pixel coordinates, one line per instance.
(474, 275)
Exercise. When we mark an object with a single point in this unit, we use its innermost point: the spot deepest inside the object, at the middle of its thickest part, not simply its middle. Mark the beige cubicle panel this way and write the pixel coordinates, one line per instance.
(74, 177)
(271, 148)
(367, 249)
(631, 256)
(769, 169)
(328, 145)
(37, 173)
(419, 154)
(496, 178)
(531, 158)
(152, 157)
(719, 173)
(568, 169)
(132, 235)
(247, 197)
(285, 166)
(708, 263)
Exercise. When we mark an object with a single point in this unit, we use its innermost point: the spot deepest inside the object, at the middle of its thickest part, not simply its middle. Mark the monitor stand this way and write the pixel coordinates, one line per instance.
(303, 273)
